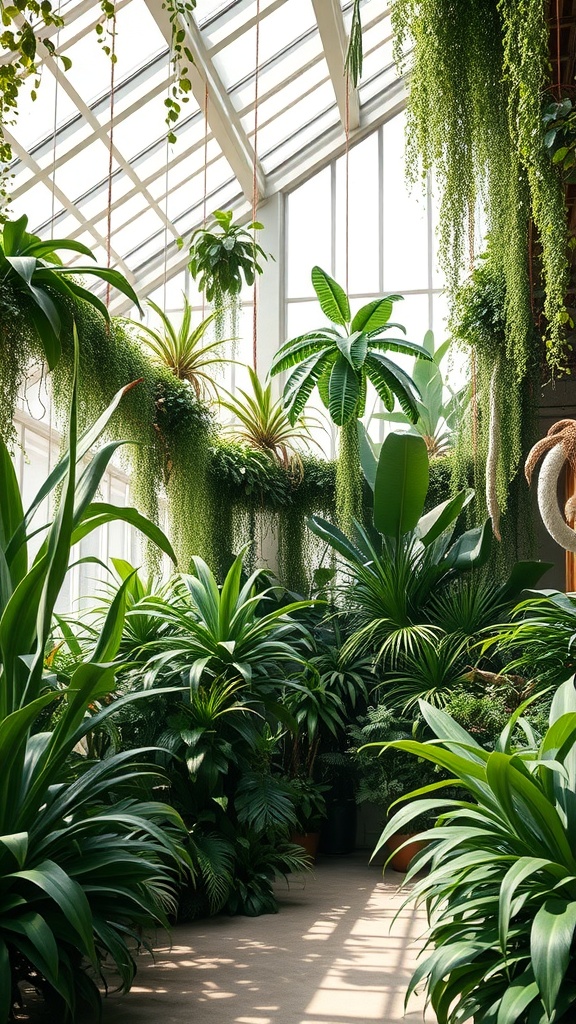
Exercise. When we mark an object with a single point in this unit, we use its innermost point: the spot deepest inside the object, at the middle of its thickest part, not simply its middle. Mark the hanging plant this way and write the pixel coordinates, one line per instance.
(340, 360)
(478, 75)
(223, 259)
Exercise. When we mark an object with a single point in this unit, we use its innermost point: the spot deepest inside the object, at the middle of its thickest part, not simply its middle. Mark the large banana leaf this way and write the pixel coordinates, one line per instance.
(401, 484)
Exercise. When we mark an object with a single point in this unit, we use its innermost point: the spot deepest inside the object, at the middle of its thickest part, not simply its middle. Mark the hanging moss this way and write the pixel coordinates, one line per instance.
(186, 430)
(479, 73)
(19, 347)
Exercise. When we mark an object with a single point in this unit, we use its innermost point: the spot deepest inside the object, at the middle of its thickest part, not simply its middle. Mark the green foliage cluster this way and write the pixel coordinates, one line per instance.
(478, 76)
(501, 854)
(223, 258)
(87, 857)
(502, 418)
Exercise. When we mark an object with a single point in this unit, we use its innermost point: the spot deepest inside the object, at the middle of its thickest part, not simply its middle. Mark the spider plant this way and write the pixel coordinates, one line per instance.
(184, 349)
(263, 423)
(225, 631)
(501, 890)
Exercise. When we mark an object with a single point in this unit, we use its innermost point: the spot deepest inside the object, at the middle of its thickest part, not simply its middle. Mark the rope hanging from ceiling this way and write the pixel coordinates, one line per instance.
(110, 154)
(255, 196)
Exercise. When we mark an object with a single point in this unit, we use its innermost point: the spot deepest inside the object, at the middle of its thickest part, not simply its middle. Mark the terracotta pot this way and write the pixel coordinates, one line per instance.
(308, 840)
(401, 860)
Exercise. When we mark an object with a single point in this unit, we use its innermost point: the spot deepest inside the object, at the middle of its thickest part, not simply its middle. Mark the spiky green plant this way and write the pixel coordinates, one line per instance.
(184, 349)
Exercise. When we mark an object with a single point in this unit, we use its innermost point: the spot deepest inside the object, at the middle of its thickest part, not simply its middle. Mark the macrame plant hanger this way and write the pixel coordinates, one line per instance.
(255, 196)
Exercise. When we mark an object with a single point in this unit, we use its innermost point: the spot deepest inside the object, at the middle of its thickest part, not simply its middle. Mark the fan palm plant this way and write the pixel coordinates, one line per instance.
(184, 349)
(340, 360)
(86, 860)
(501, 891)
(264, 424)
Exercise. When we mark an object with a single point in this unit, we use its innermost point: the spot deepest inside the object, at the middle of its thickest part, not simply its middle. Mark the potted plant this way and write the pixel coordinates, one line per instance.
(387, 778)
(310, 808)
(223, 258)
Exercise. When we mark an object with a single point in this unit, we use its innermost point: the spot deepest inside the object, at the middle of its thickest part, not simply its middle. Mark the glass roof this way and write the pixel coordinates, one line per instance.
(97, 132)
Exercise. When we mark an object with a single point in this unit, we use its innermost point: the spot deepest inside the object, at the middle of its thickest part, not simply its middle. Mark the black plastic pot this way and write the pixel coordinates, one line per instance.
(338, 834)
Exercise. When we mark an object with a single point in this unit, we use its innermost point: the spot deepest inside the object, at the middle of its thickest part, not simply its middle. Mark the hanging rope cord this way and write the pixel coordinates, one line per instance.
(347, 182)
(205, 185)
(110, 155)
(255, 196)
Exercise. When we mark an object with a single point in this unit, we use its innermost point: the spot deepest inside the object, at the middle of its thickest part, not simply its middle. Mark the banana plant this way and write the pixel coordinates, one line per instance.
(86, 860)
(35, 270)
(501, 889)
(339, 360)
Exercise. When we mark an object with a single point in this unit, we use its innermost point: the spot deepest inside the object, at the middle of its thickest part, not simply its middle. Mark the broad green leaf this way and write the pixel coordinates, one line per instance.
(550, 947)
(344, 391)
(368, 456)
(472, 549)
(374, 314)
(401, 484)
(331, 296)
(433, 523)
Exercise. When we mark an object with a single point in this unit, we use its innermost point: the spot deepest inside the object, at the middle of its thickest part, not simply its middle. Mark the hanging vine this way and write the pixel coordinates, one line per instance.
(478, 77)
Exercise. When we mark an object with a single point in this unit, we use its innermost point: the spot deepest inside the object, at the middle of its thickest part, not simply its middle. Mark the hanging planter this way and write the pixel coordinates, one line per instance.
(223, 259)
(558, 448)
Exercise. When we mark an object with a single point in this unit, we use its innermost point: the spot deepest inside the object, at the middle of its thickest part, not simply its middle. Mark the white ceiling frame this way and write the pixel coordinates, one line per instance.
(224, 122)
(44, 176)
(99, 132)
(69, 154)
(335, 44)
(375, 113)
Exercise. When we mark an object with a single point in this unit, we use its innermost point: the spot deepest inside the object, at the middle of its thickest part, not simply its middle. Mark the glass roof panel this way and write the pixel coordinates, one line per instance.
(65, 134)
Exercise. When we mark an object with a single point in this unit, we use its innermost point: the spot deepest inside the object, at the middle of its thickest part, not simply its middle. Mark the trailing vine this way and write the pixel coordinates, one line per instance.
(349, 504)
(478, 77)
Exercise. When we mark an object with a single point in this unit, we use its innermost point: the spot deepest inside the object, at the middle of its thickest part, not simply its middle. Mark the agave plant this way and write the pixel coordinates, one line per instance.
(501, 890)
(184, 349)
(35, 270)
(86, 860)
(264, 424)
(340, 360)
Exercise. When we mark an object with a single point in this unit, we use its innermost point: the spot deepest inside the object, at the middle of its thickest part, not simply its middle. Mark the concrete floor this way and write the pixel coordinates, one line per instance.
(331, 956)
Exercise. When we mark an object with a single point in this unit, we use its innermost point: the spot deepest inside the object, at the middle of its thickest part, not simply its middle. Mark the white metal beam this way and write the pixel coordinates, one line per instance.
(335, 43)
(223, 119)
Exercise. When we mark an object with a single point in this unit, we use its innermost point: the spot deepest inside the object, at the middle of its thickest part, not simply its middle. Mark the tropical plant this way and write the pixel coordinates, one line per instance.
(184, 349)
(439, 418)
(403, 579)
(559, 120)
(34, 268)
(86, 858)
(340, 363)
(222, 259)
(500, 893)
(264, 424)
(395, 569)
(539, 640)
(225, 631)
(317, 711)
